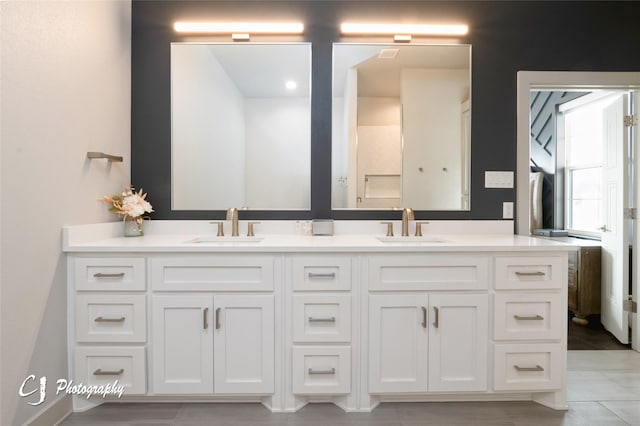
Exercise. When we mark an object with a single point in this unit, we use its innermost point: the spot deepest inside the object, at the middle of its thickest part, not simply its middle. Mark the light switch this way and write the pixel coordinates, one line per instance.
(498, 179)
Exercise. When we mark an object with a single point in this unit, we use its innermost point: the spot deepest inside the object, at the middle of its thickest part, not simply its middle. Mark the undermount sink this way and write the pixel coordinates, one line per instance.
(412, 239)
(212, 239)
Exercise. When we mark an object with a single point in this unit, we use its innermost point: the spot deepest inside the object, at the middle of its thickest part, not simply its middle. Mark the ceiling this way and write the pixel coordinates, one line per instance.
(381, 77)
(261, 70)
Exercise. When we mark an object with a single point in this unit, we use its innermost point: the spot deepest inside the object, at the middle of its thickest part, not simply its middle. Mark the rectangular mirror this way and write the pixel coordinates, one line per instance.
(401, 132)
(240, 126)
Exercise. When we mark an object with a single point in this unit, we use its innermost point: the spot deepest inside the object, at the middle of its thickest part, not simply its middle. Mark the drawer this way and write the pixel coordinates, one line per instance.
(109, 274)
(531, 272)
(104, 365)
(527, 367)
(321, 370)
(223, 273)
(428, 272)
(111, 318)
(321, 318)
(528, 316)
(321, 273)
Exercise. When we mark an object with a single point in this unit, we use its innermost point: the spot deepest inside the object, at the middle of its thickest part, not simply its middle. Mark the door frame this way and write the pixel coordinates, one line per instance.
(579, 80)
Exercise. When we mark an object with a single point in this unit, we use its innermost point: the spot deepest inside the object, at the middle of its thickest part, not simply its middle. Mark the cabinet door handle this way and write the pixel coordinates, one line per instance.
(530, 274)
(321, 319)
(536, 368)
(100, 372)
(103, 275)
(424, 317)
(436, 321)
(322, 274)
(100, 319)
(316, 372)
(217, 318)
(205, 314)
(529, 318)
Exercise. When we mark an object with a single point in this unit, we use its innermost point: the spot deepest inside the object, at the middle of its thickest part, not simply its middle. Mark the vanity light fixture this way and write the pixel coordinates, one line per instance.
(404, 32)
(240, 31)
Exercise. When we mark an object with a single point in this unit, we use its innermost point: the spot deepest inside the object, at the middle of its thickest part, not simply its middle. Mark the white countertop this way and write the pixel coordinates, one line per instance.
(164, 238)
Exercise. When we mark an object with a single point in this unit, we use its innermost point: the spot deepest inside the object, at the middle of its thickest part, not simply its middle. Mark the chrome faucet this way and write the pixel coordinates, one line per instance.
(232, 215)
(407, 215)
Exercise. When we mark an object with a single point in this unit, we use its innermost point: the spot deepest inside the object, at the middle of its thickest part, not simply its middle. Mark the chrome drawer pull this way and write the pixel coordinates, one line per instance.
(103, 275)
(531, 318)
(424, 317)
(100, 319)
(530, 274)
(312, 371)
(218, 319)
(318, 319)
(205, 323)
(322, 275)
(536, 368)
(100, 372)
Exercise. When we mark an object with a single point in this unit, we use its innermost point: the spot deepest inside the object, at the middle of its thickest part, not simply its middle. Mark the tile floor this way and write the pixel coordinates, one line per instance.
(603, 389)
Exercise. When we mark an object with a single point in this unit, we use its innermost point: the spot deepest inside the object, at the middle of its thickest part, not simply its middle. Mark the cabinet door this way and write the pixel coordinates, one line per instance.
(182, 344)
(458, 342)
(398, 343)
(244, 344)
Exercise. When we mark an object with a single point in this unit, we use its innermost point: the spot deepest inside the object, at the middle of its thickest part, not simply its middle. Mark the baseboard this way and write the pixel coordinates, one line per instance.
(54, 413)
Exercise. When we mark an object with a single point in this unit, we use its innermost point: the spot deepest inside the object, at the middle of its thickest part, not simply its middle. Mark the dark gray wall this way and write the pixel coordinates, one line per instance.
(506, 37)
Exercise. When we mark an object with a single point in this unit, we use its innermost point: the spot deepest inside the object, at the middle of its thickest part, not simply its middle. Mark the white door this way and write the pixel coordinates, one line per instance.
(458, 336)
(182, 344)
(244, 344)
(615, 229)
(398, 329)
(635, 318)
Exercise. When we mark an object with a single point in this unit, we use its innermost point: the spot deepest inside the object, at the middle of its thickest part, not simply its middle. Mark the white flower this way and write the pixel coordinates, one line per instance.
(131, 204)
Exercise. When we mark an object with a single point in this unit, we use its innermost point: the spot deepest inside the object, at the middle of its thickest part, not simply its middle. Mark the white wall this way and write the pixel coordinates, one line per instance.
(278, 153)
(65, 83)
(208, 137)
(432, 133)
(379, 152)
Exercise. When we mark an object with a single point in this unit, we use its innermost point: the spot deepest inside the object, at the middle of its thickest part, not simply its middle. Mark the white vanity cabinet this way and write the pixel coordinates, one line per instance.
(422, 337)
(205, 344)
(530, 323)
(213, 324)
(321, 318)
(108, 332)
(347, 320)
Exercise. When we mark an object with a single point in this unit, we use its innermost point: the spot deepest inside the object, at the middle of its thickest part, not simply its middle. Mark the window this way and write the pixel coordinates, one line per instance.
(583, 168)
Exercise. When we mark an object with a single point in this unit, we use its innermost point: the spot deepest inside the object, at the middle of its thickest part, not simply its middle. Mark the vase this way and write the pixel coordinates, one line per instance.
(132, 228)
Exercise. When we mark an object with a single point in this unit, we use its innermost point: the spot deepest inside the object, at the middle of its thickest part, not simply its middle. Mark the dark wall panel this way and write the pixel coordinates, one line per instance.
(544, 151)
(506, 37)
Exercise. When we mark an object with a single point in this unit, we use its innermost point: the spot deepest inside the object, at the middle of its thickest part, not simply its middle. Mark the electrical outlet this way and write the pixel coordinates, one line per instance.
(507, 210)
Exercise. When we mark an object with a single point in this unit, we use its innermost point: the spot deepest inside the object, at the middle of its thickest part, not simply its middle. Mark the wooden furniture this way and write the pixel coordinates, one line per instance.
(584, 280)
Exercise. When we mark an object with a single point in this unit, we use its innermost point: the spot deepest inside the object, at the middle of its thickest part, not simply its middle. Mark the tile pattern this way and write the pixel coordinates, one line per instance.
(603, 390)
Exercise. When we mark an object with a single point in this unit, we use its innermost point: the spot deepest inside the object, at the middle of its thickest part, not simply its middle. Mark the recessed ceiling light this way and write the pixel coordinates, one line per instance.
(291, 85)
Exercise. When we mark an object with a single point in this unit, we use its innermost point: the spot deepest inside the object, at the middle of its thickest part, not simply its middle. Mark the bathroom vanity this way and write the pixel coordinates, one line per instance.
(286, 319)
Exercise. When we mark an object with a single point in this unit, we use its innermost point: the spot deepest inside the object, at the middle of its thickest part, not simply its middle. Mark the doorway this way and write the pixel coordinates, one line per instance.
(584, 81)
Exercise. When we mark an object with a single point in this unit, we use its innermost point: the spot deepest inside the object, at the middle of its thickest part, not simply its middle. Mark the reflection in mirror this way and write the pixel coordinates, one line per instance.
(401, 126)
(240, 124)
